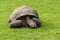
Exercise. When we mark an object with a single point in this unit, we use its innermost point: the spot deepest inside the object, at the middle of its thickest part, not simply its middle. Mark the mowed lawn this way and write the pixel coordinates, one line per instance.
(49, 14)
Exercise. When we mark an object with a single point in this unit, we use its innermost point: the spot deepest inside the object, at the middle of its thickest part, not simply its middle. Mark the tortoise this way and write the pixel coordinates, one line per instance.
(24, 16)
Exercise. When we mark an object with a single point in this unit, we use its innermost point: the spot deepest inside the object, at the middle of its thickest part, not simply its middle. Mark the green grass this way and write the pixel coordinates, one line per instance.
(49, 14)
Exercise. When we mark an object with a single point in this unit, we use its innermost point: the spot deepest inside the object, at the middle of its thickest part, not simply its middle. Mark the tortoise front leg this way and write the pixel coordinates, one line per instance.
(37, 21)
(30, 22)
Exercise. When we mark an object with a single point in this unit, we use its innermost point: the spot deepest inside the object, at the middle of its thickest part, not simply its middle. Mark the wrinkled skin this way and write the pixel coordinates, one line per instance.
(32, 22)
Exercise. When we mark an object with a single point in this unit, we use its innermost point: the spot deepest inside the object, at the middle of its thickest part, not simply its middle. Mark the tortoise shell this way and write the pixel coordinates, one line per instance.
(23, 11)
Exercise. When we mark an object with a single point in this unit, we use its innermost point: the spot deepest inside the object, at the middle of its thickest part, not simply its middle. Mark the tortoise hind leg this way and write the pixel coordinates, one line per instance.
(16, 24)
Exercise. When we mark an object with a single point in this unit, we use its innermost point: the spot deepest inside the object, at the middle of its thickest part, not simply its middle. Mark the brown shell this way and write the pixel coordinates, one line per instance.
(21, 11)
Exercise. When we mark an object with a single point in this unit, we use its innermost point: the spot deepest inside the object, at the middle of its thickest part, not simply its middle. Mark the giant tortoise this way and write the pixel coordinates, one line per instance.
(24, 16)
